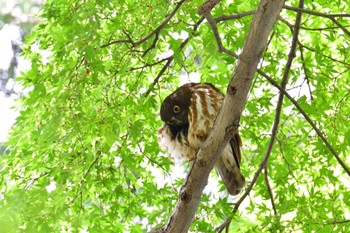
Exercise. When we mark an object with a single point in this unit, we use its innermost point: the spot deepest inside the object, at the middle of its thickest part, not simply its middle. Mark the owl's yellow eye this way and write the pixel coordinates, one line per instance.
(176, 108)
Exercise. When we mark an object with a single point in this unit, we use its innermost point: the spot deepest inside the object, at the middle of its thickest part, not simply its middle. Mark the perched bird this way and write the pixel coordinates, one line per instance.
(188, 115)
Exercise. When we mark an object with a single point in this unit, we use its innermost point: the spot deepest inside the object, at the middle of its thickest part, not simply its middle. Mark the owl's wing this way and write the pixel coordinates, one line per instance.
(205, 104)
(236, 143)
(228, 166)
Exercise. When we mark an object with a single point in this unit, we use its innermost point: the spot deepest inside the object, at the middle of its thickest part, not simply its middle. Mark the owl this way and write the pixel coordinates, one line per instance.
(188, 115)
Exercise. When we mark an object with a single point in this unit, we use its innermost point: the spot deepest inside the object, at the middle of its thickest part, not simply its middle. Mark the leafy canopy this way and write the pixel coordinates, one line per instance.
(84, 153)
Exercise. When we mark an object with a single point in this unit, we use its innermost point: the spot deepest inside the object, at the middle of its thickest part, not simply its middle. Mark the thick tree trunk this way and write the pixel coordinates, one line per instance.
(227, 121)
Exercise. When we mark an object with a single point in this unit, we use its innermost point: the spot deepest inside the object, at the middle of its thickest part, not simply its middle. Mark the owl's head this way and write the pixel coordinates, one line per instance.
(174, 110)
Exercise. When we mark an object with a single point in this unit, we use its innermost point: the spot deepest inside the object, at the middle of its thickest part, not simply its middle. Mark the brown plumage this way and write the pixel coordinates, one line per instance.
(188, 115)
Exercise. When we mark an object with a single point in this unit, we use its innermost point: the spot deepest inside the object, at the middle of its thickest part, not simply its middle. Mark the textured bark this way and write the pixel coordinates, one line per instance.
(227, 121)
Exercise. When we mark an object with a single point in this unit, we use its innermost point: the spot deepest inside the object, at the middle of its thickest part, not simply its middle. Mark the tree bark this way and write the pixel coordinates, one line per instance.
(227, 121)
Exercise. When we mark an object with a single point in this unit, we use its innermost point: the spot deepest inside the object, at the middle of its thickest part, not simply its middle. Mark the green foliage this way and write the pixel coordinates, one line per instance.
(84, 153)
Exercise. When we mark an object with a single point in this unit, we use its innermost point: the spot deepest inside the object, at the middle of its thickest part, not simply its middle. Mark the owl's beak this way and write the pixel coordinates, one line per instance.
(174, 121)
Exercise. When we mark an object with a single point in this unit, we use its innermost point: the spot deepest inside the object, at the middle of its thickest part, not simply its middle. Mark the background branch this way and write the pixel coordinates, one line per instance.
(306, 70)
(329, 16)
(266, 177)
(154, 32)
(171, 58)
(311, 49)
(308, 119)
(221, 48)
(336, 22)
(298, 9)
(236, 16)
(212, 23)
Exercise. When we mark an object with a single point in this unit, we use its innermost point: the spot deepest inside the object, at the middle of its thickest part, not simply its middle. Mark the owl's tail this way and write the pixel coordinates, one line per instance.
(228, 169)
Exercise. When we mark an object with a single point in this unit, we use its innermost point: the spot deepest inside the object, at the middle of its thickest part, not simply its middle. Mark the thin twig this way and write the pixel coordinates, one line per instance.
(311, 49)
(310, 12)
(306, 71)
(115, 42)
(29, 184)
(170, 59)
(156, 80)
(308, 119)
(154, 32)
(235, 16)
(339, 222)
(146, 65)
(319, 29)
(329, 57)
(340, 25)
(79, 190)
(301, 55)
(223, 225)
(328, 16)
(153, 45)
(269, 190)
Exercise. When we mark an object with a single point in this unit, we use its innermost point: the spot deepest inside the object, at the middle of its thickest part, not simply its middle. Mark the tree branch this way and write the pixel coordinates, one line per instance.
(277, 115)
(274, 83)
(269, 190)
(154, 32)
(170, 59)
(340, 25)
(226, 124)
(306, 71)
(206, 7)
(329, 16)
(236, 16)
(146, 65)
(311, 49)
(155, 81)
(329, 57)
(310, 12)
(212, 23)
(308, 119)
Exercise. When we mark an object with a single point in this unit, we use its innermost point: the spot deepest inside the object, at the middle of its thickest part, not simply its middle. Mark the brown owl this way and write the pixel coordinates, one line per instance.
(188, 115)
